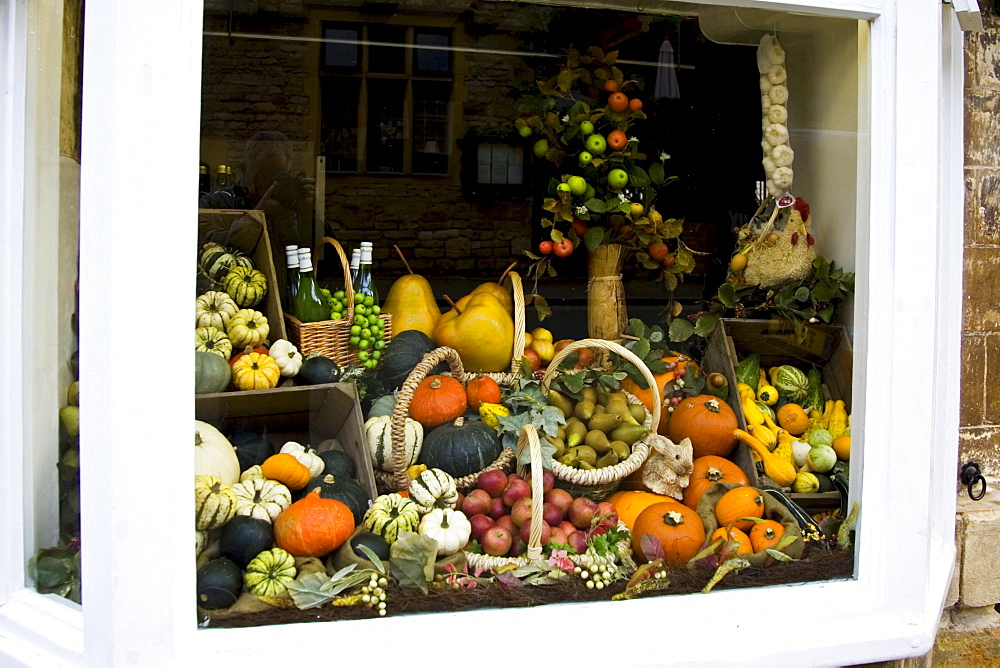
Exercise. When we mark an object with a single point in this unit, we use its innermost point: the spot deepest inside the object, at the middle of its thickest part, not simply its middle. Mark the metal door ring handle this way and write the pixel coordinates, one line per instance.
(974, 495)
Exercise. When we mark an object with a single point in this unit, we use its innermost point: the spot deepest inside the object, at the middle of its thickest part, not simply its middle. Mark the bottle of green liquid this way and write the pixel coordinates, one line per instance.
(309, 303)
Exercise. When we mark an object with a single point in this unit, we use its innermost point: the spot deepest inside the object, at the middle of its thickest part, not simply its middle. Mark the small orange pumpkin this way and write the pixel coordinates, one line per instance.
(708, 421)
(482, 390)
(739, 502)
(677, 527)
(709, 470)
(438, 399)
(313, 526)
(793, 419)
(646, 395)
(766, 534)
(742, 540)
(630, 504)
(256, 371)
(287, 470)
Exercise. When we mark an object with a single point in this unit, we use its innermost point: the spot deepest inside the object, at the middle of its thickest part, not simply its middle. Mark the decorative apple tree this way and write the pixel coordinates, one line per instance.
(605, 197)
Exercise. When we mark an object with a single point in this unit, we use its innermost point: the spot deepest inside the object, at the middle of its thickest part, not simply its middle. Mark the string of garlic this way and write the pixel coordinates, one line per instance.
(778, 155)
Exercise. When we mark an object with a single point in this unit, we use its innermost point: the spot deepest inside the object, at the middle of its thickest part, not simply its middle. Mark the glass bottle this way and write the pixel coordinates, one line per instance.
(366, 282)
(309, 303)
(355, 264)
(221, 177)
(291, 277)
(204, 180)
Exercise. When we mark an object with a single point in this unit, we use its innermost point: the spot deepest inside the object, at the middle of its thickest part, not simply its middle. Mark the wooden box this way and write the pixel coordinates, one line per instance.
(247, 231)
(306, 414)
(826, 348)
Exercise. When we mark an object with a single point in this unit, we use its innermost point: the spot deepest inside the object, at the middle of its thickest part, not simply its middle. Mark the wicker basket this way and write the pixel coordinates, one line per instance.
(331, 338)
(398, 480)
(597, 484)
(528, 438)
(517, 352)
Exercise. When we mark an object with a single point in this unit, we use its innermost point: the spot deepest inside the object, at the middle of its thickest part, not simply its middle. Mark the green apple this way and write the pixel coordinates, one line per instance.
(541, 147)
(577, 185)
(564, 187)
(596, 144)
(524, 131)
(617, 179)
(586, 128)
(586, 157)
(590, 194)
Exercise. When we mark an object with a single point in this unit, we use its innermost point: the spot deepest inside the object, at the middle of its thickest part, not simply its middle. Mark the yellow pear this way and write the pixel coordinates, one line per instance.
(482, 332)
(412, 305)
(495, 289)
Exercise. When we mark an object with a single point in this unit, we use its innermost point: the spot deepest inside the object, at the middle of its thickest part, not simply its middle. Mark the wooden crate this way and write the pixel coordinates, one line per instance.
(826, 348)
(247, 231)
(306, 414)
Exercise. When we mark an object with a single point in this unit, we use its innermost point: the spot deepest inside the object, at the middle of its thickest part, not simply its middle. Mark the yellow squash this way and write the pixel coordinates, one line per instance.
(781, 471)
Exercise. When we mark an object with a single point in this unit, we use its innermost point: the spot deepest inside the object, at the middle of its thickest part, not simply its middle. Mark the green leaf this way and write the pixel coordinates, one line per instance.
(656, 336)
(548, 420)
(596, 205)
(625, 207)
(593, 237)
(681, 329)
(823, 291)
(643, 258)
(310, 591)
(685, 261)
(412, 560)
(656, 173)
(802, 294)
(671, 228)
(513, 423)
(372, 557)
(636, 328)
(657, 366)
(637, 377)
(727, 295)
(706, 324)
(670, 281)
(608, 380)
(642, 348)
(574, 382)
(638, 177)
(541, 307)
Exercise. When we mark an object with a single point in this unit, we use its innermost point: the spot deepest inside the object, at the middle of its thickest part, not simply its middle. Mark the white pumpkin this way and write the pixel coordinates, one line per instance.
(253, 473)
(261, 498)
(450, 528)
(378, 435)
(287, 356)
(305, 456)
(213, 309)
(214, 454)
(434, 488)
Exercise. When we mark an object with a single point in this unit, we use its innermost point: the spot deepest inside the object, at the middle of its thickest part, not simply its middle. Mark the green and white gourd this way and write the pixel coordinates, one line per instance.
(215, 261)
(791, 383)
(214, 502)
(390, 514)
(200, 541)
(270, 573)
(213, 340)
(214, 309)
(261, 498)
(255, 472)
(305, 456)
(378, 435)
(246, 286)
(434, 488)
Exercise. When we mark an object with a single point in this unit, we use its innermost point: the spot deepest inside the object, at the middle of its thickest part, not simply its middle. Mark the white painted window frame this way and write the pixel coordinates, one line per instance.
(140, 145)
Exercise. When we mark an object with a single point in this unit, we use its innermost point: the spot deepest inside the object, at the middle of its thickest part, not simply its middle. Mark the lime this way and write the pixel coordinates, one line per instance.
(586, 128)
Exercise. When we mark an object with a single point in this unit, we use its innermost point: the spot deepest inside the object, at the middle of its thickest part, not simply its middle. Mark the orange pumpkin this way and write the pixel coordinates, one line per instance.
(739, 502)
(646, 395)
(630, 504)
(482, 390)
(766, 534)
(734, 534)
(709, 470)
(287, 470)
(677, 527)
(793, 419)
(313, 527)
(708, 421)
(438, 399)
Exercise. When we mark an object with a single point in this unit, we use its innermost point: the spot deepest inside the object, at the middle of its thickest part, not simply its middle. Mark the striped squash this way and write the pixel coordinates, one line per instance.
(248, 328)
(791, 382)
(270, 573)
(240, 259)
(246, 286)
(213, 309)
(261, 498)
(378, 435)
(214, 502)
(434, 488)
(215, 261)
(390, 514)
(213, 340)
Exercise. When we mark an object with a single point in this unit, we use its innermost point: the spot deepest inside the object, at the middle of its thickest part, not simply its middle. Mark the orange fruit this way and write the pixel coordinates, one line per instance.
(611, 85)
(635, 104)
(793, 419)
(617, 101)
(842, 446)
(617, 140)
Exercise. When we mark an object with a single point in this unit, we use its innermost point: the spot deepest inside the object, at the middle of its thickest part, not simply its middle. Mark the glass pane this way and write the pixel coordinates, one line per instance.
(430, 126)
(386, 125)
(386, 51)
(340, 123)
(435, 57)
(342, 48)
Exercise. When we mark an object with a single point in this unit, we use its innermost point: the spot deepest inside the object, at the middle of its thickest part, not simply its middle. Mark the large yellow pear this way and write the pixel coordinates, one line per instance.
(495, 289)
(482, 332)
(412, 305)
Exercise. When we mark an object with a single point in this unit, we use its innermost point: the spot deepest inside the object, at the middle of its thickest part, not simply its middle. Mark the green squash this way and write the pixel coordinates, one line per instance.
(251, 449)
(748, 371)
(270, 573)
(211, 373)
(390, 514)
(383, 406)
(244, 537)
(220, 582)
(373, 542)
(343, 489)
(460, 448)
(246, 286)
(339, 463)
(401, 355)
(317, 371)
(791, 382)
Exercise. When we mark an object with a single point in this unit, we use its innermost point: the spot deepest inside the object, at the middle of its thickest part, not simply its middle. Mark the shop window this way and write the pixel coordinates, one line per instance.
(386, 99)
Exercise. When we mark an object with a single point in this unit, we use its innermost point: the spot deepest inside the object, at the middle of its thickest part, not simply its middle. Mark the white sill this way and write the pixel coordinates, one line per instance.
(40, 629)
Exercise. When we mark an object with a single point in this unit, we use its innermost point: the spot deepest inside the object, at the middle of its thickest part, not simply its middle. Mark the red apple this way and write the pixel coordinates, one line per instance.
(498, 509)
(557, 535)
(520, 512)
(478, 501)
(459, 500)
(507, 522)
(578, 541)
(562, 343)
(552, 514)
(492, 482)
(517, 547)
(559, 498)
(548, 480)
(496, 541)
(526, 531)
(480, 524)
(582, 512)
(534, 359)
(567, 527)
(607, 514)
(514, 476)
(516, 489)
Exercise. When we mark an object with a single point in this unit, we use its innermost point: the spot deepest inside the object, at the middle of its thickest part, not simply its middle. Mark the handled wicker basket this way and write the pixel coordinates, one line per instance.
(398, 480)
(528, 438)
(517, 352)
(331, 338)
(599, 483)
